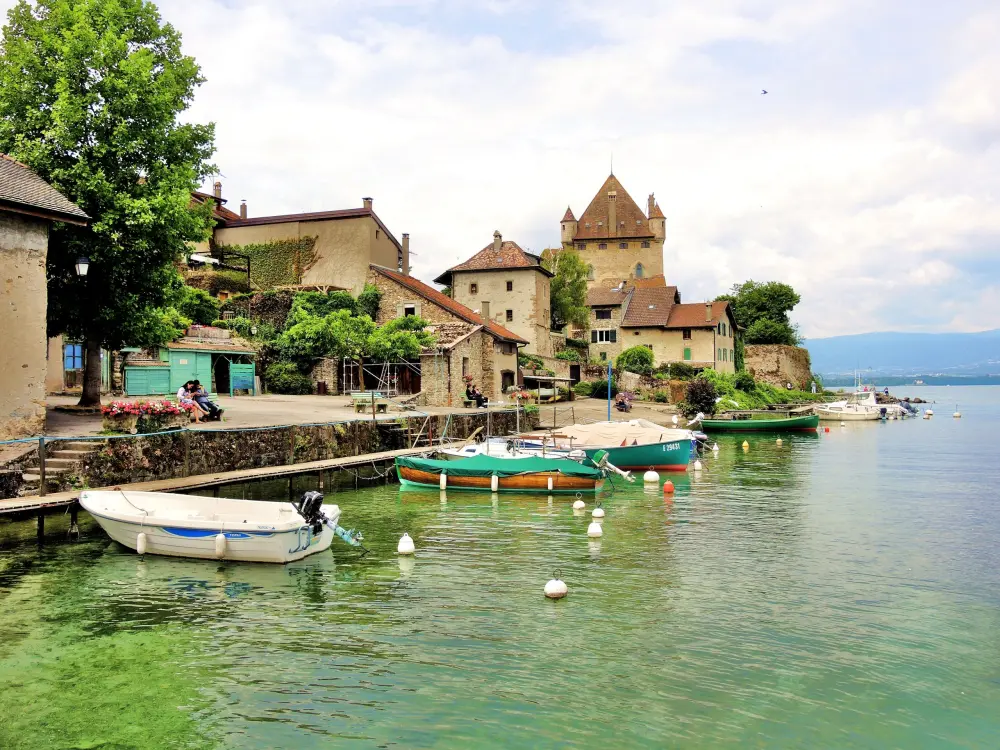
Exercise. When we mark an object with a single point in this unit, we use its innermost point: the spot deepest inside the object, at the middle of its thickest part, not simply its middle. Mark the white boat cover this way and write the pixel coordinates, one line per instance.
(612, 434)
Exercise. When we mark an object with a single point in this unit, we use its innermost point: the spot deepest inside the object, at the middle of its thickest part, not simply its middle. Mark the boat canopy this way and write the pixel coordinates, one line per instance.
(485, 466)
(608, 434)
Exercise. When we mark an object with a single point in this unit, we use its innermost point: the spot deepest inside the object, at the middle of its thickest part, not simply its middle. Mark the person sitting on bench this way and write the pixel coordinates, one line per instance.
(474, 394)
(201, 398)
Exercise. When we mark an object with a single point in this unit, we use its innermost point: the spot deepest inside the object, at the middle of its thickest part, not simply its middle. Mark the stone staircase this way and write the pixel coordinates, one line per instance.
(67, 459)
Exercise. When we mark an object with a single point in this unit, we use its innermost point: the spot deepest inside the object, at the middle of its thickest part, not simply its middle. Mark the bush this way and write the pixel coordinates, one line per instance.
(761, 396)
(239, 326)
(766, 331)
(600, 389)
(674, 371)
(744, 381)
(583, 388)
(530, 361)
(701, 395)
(637, 359)
(213, 282)
(285, 377)
(369, 301)
(577, 343)
(198, 305)
(570, 355)
(661, 397)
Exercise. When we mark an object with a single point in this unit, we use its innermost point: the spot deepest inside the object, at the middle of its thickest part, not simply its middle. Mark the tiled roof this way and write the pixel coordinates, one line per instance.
(456, 308)
(630, 220)
(346, 213)
(656, 213)
(692, 315)
(568, 216)
(221, 345)
(650, 281)
(650, 306)
(447, 334)
(23, 191)
(508, 256)
(219, 211)
(607, 297)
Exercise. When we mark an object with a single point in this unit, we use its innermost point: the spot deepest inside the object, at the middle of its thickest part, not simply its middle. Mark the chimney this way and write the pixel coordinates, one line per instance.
(243, 209)
(650, 205)
(405, 270)
(497, 241)
(367, 202)
(217, 190)
(708, 312)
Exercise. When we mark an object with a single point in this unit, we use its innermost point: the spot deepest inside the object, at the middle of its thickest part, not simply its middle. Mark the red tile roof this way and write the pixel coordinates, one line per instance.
(629, 218)
(692, 315)
(607, 297)
(650, 305)
(441, 300)
(568, 216)
(656, 213)
(345, 213)
(509, 256)
(219, 211)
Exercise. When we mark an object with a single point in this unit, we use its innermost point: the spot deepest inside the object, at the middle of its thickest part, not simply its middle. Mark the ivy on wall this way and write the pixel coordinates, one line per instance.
(276, 263)
(214, 282)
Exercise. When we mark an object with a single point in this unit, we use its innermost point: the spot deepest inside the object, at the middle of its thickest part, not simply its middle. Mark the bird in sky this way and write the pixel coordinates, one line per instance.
(763, 91)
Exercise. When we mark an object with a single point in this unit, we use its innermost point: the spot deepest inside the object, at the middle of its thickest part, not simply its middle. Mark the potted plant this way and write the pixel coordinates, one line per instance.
(120, 416)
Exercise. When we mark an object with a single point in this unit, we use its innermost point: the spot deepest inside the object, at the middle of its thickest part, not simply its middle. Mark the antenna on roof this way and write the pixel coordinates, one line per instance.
(612, 161)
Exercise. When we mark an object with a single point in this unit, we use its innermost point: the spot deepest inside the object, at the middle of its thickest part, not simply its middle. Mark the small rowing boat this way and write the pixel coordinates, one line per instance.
(806, 423)
(533, 474)
(161, 523)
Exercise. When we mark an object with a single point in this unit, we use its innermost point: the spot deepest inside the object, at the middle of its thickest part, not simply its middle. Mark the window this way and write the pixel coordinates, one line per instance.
(604, 356)
(590, 273)
(603, 336)
(731, 357)
(376, 234)
(581, 245)
(409, 310)
(639, 271)
(73, 357)
(686, 334)
(718, 355)
(473, 288)
(602, 314)
(510, 315)
(602, 245)
(510, 286)
(465, 366)
(687, 354)
(623, 246)
(645, 243)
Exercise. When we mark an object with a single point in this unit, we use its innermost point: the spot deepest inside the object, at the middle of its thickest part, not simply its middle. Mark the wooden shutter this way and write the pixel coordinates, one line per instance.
(614, 336)
(593, 337)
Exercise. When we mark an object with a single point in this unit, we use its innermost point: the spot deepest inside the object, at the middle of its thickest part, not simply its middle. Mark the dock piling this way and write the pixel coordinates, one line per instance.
(41, 467)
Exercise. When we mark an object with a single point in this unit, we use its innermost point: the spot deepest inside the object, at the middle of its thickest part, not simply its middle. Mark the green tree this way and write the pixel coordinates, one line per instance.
(198, 305)
(91, 98)
(637, 359)
(764, 331)
(770, 301)
(568, 288)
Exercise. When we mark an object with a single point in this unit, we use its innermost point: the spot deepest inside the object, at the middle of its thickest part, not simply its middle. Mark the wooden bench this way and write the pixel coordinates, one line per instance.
(363, 402)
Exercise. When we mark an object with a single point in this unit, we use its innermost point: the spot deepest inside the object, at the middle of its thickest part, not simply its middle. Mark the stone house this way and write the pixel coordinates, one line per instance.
(615, 237)
(344, 243)
(28, 208)
(467, 344)
(509, 286)
(647, 312)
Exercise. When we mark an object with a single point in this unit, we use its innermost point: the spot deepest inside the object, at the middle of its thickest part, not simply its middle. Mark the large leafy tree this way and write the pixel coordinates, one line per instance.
(761, 309)
(568, 288)
(91, 92)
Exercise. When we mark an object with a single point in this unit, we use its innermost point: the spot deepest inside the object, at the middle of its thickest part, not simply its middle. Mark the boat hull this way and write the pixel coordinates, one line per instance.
(535, 482)
(671, 456)
(800, 424)
(848, 416)
(175, 538)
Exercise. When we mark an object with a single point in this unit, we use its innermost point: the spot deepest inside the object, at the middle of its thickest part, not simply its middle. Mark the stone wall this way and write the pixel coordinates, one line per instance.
(23, 296)
(779, 365)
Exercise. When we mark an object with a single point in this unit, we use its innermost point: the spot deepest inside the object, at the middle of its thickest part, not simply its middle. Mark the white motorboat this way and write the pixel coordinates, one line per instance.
(859, 406)
(160, 523)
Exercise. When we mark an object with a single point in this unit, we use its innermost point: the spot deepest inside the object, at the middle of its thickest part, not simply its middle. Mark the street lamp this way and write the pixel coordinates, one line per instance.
(82, 266)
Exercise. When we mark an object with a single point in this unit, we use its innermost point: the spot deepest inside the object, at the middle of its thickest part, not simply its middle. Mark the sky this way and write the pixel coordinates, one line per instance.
(868, 177)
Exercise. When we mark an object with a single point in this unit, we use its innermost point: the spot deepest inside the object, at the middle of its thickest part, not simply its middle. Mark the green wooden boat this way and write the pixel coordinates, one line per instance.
(807, 423)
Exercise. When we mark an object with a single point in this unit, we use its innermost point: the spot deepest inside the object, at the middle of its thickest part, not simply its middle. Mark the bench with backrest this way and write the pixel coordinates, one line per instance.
(363, 401)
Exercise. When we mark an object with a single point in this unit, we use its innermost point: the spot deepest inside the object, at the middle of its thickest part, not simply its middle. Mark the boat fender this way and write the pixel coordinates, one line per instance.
(406, 546)
(140, 543)
(650, 477)
(443, 481)
(220, 545)
(598, 512)
(594, 530)
(556, 588)
(495, 483)
(550, 484)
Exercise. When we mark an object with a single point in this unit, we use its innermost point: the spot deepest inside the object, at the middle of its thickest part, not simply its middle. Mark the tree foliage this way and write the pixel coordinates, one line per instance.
(568, 288)
(198, 305)
(761, 309)
(766, 331)
(369, 301)
(637, 359)
(91, 98)
(700, 397)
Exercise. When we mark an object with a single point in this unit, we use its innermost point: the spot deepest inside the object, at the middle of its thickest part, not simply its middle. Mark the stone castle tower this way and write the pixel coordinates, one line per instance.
(615, 237)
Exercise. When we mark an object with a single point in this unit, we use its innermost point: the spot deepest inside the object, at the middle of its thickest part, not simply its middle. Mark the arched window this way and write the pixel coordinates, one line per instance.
(639, 271)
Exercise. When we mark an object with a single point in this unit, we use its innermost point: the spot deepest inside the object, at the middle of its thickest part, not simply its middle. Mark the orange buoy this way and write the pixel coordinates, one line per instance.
(668, 487)
(826, 429)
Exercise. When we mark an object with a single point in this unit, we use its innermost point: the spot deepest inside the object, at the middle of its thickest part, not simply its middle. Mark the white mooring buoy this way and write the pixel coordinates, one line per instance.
(715, 448)
(597, 512)
(697, 466)
(140, 543)
(556, 588)
(778, 441)
(674, 419)
(929, 413)
(843, 424)
(594, 530)
(220, 545)
(579, 505)
(405, 546)
(650, 477)
(957, 415)
(746, 445)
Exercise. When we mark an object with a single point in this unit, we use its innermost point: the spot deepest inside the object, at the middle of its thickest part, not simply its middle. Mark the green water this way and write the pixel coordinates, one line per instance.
(839, 591)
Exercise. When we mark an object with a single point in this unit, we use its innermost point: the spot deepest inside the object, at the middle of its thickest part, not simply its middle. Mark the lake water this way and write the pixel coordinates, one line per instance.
(842, 590)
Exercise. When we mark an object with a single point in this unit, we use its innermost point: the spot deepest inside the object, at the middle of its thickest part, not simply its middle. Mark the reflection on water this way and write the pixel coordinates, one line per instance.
(834, 591)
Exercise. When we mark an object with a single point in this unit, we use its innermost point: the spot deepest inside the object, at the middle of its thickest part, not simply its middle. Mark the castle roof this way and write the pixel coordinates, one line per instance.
(568, 216)
(630, 220)
(508, 256)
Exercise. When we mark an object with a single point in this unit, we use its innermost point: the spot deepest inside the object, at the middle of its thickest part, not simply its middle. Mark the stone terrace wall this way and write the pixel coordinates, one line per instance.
(779, 365)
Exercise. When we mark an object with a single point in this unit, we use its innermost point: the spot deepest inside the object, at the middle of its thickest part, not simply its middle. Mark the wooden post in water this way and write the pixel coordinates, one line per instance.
(41, 475)
(74, 528)
(41, 526)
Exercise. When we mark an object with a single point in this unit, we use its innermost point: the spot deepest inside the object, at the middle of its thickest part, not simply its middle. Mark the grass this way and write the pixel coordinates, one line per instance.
(760, 397)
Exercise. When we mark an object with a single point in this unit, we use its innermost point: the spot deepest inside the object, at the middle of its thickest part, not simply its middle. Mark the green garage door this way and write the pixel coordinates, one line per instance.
(147, 381)
(187, 365)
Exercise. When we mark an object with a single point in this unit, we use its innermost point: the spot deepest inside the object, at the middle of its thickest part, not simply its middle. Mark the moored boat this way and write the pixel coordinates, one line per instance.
(636, 444)
(531, 474)
(806, 423)
(162, 523)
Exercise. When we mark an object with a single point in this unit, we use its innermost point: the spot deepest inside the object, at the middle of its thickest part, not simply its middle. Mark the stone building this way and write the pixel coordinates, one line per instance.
(509, 286)
(28, 207)
(467, 344)
(344, 242)
(615, 237)
(647, 312)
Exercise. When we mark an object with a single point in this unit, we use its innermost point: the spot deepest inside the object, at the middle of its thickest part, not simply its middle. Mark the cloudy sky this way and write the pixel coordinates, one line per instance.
(868, 177)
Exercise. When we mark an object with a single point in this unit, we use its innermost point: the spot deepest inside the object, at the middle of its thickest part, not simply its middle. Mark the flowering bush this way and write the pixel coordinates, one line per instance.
(145, 409)
(121, 409)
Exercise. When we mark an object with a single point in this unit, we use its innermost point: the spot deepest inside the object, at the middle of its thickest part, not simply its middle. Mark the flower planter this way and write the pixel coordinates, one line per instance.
(124, 423)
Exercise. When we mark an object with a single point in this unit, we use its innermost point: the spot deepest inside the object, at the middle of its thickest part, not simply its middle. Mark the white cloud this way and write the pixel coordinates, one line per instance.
(866, 177)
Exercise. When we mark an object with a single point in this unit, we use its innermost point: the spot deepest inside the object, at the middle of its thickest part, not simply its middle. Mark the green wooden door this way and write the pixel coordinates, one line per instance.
(147, 381)
(189, 365)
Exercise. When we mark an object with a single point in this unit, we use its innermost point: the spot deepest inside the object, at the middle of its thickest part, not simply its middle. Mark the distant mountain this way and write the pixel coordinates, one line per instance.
(904, 354)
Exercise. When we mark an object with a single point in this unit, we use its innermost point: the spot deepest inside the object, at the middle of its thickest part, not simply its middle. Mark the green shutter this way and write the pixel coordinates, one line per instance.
(687, 353)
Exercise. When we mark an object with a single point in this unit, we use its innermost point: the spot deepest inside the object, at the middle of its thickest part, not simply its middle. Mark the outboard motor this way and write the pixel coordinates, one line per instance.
(310, 508)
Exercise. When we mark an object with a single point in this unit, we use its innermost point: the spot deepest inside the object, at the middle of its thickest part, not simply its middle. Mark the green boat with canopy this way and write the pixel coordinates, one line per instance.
(533, 474)
(762, 423)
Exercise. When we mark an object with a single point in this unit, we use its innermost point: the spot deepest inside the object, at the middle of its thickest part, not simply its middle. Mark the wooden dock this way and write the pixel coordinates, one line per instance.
(40, 504)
